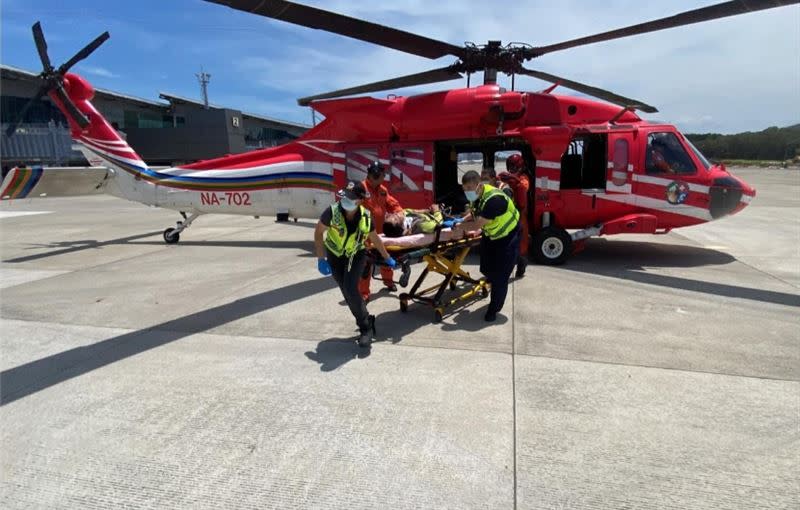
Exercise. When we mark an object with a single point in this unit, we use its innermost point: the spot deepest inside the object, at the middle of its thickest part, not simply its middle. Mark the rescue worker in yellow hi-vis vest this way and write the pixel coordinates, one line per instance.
(340, 243)
(495, 214)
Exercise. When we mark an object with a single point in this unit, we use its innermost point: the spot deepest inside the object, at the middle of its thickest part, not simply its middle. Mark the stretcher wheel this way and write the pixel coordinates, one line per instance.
(403, 305)
(484, 291)
(452, 285)
(438, 314)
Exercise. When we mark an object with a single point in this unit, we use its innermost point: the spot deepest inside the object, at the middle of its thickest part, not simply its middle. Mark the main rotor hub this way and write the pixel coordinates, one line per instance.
(506, 59)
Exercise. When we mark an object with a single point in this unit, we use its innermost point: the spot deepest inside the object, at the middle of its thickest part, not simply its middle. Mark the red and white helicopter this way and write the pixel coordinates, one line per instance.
(597, 168)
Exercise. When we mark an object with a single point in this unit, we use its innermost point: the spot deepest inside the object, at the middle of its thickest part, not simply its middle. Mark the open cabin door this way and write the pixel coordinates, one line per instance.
(621, 156)
(411, 168)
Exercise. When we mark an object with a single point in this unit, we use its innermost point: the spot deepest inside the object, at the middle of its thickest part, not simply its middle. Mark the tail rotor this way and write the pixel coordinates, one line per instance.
(53, 79)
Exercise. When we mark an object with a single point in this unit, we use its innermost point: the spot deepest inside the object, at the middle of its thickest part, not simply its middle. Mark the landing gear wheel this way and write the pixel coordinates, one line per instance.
(552, 246)
(171, 236)
(438, 314)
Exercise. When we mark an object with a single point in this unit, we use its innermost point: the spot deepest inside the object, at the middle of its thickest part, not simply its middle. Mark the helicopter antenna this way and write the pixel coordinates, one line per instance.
(204, 78)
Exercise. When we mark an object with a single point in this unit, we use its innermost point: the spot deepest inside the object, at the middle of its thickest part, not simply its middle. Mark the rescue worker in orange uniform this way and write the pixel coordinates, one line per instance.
(380, 203)
(517, 179)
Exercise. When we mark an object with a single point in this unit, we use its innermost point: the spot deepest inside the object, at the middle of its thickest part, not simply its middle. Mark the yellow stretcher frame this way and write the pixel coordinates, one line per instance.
(446, 259)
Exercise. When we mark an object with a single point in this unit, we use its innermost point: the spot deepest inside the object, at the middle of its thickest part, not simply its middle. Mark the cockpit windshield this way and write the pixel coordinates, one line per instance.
(699, 154)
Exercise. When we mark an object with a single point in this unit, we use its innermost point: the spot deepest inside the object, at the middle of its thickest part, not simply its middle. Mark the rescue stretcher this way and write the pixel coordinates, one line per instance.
(443, 254)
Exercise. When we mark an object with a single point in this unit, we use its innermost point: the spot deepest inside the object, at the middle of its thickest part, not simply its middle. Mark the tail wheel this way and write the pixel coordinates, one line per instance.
(552, 246)
(171, 236)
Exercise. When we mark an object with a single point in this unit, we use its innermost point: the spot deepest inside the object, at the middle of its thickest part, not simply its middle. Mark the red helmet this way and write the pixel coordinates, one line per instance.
(515, 163)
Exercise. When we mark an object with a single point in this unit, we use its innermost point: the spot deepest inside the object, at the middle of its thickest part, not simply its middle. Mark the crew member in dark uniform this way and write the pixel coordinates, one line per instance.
(495, 214)
(340, 243)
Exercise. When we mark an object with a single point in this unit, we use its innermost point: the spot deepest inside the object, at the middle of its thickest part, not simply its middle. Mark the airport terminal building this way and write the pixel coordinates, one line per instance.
(173, 130)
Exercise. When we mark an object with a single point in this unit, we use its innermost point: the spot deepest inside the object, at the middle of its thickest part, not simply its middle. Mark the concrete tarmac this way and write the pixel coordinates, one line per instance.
(647, 372)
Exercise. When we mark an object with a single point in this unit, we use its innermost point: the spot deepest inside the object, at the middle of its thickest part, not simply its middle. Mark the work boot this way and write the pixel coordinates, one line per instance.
(365, 339)
(522, 265)
(391, 286)
(490, 316)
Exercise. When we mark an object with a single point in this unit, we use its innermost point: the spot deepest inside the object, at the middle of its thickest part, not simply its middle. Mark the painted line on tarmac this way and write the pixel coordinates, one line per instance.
(11, 214)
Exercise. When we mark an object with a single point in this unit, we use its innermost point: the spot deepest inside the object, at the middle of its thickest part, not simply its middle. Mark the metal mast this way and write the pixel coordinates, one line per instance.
(204, 78)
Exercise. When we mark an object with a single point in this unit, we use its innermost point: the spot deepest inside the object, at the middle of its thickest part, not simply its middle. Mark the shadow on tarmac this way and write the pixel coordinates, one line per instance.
(64, 247)
(29, 378)
(628, 260)
(305, 245)
(335, 352)
(394, 325)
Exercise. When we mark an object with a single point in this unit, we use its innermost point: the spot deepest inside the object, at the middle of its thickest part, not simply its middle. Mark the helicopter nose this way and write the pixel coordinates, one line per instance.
(729, 195)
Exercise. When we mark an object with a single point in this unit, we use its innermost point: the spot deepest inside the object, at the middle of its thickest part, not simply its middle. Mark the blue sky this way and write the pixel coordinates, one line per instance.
(729, 75)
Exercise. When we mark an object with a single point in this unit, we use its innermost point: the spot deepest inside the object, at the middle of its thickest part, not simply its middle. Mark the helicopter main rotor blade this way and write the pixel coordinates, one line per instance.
(433, 76)
(320, 19)
(709, 13)
(41, 46)
(85, 52)
(73, 110)
(21, 115)
(591, 91)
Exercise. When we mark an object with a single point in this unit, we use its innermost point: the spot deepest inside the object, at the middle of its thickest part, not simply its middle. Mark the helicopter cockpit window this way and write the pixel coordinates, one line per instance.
(706, 164)
(666, 155)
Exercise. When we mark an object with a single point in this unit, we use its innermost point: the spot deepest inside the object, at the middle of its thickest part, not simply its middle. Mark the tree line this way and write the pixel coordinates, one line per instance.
(773, 143)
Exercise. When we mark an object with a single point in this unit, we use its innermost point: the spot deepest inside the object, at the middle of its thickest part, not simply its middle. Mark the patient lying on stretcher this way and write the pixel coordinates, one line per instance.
(417, 227)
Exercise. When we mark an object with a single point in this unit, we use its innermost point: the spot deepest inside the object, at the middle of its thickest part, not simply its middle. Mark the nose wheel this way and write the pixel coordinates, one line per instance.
(173, 235)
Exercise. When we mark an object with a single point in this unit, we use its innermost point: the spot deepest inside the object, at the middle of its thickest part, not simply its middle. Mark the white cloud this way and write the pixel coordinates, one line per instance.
(98, 71)
(731, 74)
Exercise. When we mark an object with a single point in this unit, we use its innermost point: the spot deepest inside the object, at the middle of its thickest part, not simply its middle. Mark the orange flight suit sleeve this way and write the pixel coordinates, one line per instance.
(521, 192)
(392, 204)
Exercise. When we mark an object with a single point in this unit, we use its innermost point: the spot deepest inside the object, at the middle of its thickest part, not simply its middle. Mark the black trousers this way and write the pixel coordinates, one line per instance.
(348, 284)
(498, 259)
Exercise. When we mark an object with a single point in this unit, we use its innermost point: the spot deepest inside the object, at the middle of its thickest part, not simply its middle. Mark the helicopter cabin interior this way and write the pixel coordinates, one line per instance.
(583, 165)
(453, 158)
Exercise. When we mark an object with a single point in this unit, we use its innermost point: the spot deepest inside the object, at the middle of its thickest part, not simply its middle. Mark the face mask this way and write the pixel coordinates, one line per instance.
(347, 204)
(471, 195)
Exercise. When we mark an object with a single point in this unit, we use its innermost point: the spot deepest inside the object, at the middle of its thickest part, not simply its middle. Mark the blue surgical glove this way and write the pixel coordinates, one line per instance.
(323, 267)
(448, 223)
(391, 262)
(457, 220)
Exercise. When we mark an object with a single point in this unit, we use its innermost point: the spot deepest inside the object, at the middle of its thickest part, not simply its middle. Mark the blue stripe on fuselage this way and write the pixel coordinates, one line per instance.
(221, 180)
